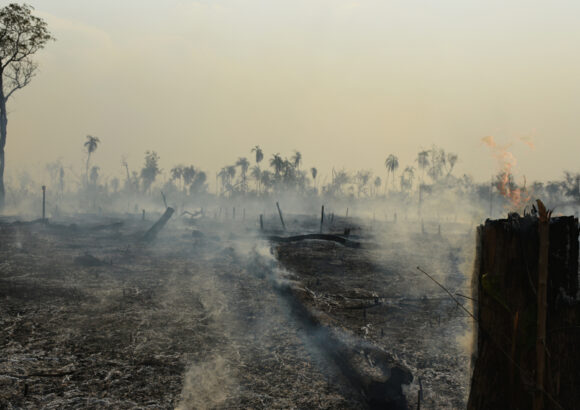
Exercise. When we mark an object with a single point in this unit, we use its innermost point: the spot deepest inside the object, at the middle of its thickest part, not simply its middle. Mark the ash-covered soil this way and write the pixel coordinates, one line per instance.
(376, 293)
(93, 318)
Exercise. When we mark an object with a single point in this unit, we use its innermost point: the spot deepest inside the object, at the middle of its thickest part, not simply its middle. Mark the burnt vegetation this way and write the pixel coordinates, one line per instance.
(274, 289)
(272, 284)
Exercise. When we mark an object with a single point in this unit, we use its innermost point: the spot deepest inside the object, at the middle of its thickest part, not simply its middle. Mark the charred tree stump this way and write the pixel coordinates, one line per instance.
(157, 226)
(515, 333)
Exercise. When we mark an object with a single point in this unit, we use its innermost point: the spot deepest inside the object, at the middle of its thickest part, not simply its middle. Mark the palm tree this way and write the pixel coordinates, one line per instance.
(277, 163)
(391, 163)
(266, 180)
(188, 175)
(314, 173)
(244, 164)
(422, 162)
(256, 173)
(150, 170)
(289, 171)
(407, 178)
(451, 160)
(177, 173)
(91, 144)
(259, 154)
(222, 175)
(231, 172)
(377, 184)
(438, 163)
(362, 178)
(198, 183)
(94, 175)
(297, 159)
(339, 179)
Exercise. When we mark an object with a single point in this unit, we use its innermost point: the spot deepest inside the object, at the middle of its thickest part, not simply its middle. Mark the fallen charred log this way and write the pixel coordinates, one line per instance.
(370, 371)
(315, 236)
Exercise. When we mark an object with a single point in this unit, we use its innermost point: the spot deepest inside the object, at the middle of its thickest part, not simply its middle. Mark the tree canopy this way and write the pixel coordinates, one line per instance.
(21, 35)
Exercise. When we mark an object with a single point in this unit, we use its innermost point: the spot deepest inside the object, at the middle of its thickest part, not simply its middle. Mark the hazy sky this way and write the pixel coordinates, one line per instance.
(344, 82)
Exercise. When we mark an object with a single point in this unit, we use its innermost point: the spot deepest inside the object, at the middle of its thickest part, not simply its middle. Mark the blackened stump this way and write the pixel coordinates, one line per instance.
(505, 285)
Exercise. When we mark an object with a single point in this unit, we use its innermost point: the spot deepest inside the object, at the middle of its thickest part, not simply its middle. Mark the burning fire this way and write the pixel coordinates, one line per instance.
(507, 162)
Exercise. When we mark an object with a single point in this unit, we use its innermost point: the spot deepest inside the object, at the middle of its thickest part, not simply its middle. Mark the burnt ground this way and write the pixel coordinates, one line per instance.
(93, 318)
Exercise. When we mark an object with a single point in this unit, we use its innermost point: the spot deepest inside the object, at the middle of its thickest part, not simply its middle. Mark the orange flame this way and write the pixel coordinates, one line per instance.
(507, 162)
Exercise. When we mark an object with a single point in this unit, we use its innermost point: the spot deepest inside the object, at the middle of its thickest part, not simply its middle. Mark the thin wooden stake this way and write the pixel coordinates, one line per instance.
(164, 200)
(44, 203)
(281, 217)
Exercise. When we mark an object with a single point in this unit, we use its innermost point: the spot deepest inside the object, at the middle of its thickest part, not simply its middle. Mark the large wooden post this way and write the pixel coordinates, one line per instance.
(513, 339)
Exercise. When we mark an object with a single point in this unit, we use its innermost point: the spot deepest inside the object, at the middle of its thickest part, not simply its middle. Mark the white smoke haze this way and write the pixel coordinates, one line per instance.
(207, 385)
(247, 119)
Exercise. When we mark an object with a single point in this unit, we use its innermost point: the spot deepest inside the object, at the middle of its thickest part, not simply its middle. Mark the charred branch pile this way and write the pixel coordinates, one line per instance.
(523, 319)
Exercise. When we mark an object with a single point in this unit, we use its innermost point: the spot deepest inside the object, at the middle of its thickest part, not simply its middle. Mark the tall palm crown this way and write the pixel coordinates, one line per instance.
(188, 173)
(391, 163)
(259, 153)
(231, 171)
(297, 159)
(244, 164)
(423, 160)
(277, 163)
(313, 172)
(91, 145)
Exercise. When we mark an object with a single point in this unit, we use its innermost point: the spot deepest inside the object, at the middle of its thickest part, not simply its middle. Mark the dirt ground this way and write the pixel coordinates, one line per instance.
(92, 317)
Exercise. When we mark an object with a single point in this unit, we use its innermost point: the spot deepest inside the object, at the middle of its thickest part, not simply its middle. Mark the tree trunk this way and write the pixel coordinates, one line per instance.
(154, 230)
(3, 129)
(506, 288)
(87, 169)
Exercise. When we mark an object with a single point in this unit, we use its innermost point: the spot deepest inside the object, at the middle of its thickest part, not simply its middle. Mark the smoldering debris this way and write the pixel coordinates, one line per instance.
(190, 322)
